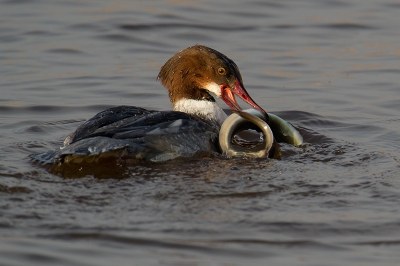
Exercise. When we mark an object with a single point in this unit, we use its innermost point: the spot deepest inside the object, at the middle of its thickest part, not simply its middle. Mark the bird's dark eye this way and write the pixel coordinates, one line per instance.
(221, 71)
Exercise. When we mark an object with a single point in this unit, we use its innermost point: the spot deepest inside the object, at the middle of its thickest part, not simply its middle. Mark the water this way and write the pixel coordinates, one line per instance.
(329, 67)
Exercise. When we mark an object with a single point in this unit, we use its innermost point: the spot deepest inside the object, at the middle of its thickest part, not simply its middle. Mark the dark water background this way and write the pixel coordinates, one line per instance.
(331, 67)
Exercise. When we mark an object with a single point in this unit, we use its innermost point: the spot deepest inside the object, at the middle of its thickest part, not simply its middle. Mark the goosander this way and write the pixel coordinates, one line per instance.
(190, 76)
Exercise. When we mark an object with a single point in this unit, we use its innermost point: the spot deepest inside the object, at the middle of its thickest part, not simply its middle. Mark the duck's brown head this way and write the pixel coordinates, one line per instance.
(198, 70)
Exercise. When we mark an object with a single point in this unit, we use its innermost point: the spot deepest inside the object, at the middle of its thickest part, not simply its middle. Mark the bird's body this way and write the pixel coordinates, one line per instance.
(193, 125)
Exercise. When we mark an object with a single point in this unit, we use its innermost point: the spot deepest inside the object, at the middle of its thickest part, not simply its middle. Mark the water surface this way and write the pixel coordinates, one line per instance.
(329, 67)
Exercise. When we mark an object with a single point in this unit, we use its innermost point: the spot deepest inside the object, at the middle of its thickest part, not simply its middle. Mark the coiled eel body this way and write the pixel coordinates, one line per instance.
(276, 130)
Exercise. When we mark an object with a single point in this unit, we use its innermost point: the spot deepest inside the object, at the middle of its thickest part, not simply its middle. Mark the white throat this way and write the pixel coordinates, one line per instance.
(206, 109)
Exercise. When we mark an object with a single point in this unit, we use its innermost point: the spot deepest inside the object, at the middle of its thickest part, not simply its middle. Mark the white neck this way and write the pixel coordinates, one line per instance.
(206, 109)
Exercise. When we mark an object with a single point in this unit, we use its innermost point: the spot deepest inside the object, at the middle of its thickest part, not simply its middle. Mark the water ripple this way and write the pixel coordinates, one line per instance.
(167, 26)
